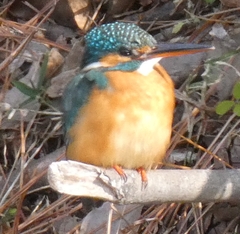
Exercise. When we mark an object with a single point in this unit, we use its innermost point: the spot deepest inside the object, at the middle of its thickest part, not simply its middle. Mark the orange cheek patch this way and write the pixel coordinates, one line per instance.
(144, 50)
(114, 59)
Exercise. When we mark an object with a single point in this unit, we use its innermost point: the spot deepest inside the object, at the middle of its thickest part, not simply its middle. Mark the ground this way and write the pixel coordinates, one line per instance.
(41, 51)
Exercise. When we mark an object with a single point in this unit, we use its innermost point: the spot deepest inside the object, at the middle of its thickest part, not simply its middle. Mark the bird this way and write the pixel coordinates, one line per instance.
(118, 111)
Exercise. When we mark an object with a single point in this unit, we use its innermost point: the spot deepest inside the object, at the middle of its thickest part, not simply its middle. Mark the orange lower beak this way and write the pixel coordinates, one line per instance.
(169, 50)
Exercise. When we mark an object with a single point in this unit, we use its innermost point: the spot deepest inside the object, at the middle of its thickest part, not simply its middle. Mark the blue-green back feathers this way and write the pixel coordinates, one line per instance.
(77, 94)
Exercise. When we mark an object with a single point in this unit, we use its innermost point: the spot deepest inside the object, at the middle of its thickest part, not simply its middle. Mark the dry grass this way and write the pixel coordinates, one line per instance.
(28, 205)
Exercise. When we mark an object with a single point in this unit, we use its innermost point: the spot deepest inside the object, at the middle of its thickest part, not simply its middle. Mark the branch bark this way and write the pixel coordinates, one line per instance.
(84, 180)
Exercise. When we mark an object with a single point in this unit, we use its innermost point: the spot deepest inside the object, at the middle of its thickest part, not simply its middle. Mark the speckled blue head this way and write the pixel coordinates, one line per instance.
(109, 38)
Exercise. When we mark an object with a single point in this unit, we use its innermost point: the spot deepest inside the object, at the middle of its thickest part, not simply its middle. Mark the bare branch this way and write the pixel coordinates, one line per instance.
(79, 179)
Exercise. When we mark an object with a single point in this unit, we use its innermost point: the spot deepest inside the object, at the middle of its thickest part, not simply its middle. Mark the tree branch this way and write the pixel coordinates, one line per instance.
(84, 180)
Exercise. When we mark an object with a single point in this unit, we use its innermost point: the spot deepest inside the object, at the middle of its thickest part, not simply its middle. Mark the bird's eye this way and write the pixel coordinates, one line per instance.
(125, 51)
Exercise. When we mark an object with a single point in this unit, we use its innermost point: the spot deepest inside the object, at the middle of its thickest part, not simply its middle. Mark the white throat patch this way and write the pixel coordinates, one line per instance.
(92, 66)
(147, 66)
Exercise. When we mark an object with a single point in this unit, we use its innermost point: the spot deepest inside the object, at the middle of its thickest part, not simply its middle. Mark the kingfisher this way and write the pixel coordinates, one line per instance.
(118, 111)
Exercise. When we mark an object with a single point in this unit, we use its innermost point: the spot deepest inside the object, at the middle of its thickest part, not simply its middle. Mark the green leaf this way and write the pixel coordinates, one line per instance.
(28, 91)
(9, 215)
(224, 106)
(12, 211)
(43, 72)
(177, 27)
(29, 100)
(236, 90)
(210, 1)
(236, 109)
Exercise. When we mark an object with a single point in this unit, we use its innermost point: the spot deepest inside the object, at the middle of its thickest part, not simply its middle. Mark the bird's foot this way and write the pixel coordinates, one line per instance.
(143, 174)
(140, 170)
(120, 171)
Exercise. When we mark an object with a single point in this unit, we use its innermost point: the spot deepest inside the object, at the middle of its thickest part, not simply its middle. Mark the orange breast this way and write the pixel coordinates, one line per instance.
(128, 124)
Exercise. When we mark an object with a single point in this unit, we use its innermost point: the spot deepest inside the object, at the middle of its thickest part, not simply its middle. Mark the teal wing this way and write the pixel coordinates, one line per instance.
(78, 91)
(77, 94)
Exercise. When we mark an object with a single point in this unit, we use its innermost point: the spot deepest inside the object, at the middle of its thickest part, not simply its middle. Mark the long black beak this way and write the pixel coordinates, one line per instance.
(169, 50)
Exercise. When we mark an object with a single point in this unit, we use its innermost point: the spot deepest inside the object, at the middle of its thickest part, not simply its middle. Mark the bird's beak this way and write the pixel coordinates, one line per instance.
(170, 50)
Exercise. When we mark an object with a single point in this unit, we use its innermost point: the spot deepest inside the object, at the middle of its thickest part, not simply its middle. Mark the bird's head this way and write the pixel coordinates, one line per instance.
(114, 43)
